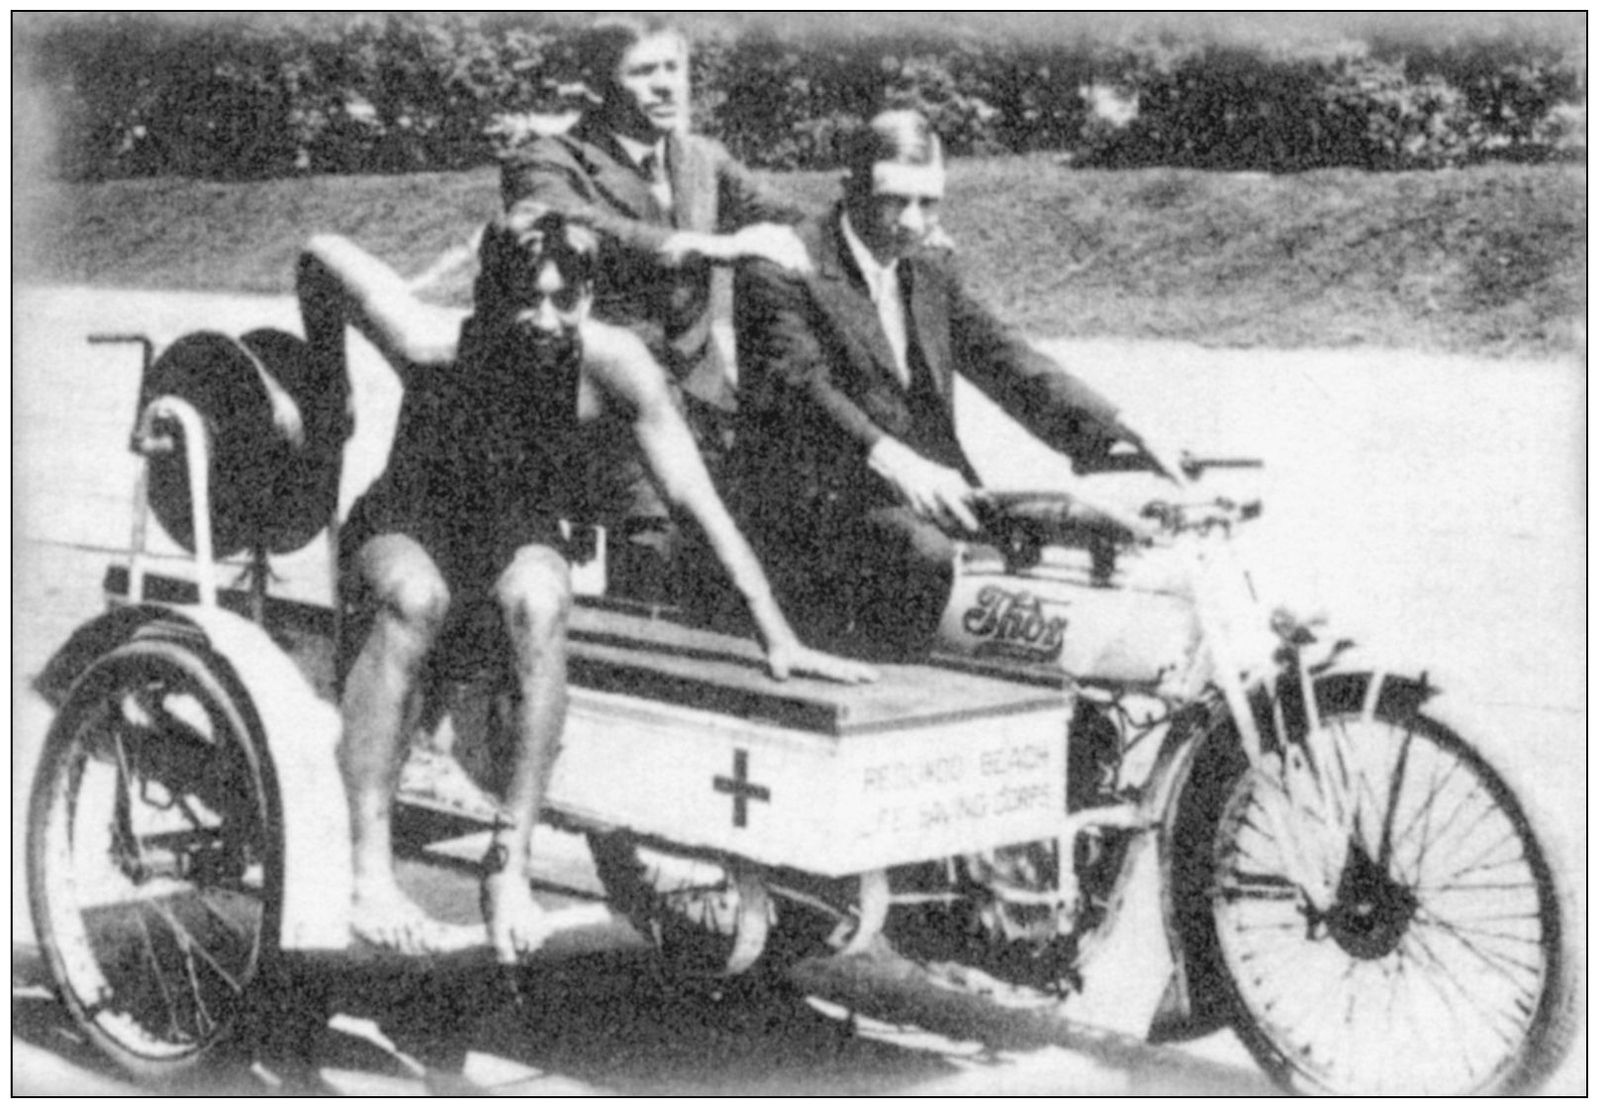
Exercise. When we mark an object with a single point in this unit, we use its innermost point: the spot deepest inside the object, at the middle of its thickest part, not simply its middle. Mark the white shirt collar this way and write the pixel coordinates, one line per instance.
(882, 282)
(874, 273)
(639, 150)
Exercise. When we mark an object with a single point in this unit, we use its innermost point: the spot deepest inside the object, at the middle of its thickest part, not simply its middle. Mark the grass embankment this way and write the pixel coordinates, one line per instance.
(1488, 260)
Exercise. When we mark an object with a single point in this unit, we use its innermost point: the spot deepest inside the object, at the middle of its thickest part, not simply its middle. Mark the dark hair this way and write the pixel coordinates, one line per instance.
(601, 47)
(516, 244)
(900, 135)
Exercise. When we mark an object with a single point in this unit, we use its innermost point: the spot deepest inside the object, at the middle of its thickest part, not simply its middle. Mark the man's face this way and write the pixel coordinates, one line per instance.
(552, 306)
(653, 87)
(895, 211)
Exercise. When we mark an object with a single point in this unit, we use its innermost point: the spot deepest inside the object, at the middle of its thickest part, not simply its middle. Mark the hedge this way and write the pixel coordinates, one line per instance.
(275, 96)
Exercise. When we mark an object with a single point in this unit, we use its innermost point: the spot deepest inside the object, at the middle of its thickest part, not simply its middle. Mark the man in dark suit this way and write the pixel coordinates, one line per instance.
(849, 469)
(669, 207)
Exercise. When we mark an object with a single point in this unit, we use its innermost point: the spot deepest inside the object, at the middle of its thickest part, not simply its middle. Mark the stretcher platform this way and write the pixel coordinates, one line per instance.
(680, 735)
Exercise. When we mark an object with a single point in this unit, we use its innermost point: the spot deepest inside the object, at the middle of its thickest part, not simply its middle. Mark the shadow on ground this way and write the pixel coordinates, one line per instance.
(600, 1023)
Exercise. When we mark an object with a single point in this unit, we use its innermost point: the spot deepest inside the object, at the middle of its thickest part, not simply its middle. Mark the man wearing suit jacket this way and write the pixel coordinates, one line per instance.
(669, 206)
(849, 468)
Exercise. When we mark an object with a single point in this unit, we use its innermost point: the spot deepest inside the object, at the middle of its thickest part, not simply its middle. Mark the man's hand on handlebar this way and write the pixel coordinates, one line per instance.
(938, 493)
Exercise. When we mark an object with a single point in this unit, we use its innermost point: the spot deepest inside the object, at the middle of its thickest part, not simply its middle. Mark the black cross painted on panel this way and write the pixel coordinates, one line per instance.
(737, 786)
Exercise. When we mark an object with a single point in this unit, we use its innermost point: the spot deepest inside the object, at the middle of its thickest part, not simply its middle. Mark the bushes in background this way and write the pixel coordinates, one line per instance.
(270, 97)
(274, 96)
(1375, 107)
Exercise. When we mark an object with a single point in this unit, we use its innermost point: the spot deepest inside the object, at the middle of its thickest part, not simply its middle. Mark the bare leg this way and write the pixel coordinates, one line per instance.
(533, 594)
(379, 712)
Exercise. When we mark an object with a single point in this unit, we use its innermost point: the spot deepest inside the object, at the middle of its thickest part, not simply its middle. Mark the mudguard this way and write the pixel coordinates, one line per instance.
(298, 731)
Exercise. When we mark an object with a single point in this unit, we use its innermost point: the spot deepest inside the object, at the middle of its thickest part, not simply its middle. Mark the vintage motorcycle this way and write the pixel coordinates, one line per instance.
(1117, 734)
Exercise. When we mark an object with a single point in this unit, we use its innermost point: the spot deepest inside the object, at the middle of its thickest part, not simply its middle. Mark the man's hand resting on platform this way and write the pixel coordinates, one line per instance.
(789, 657)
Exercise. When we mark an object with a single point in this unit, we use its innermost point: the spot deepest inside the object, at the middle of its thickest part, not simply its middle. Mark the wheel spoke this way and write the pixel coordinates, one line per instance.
(1437, 780)
(1454, 882)
(1397, 778)
(173, 1030)
(1452, 890)
(1440, 838)
(188, 944)
(1504, 966)
(1477, 1011)
(1459, 836)
(244, 933)
(1251, 885)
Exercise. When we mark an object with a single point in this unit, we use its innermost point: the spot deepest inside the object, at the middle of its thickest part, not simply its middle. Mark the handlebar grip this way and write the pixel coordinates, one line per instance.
(1113, 462)
(1194, 467)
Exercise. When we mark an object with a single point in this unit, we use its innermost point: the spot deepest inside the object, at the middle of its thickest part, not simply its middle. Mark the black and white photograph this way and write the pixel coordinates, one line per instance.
(949, 553)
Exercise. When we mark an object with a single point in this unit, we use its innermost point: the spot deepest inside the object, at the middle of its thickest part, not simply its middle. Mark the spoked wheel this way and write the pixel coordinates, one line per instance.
(1387, 914)
(709, 920)
(154, 858)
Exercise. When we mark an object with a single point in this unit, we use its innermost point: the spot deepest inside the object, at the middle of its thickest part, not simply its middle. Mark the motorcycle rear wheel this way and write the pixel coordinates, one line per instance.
(1387, 913)
(155, 860)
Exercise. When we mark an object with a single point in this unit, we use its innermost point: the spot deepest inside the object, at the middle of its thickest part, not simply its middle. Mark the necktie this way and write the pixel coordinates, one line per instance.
(652, 167)
(887, 293)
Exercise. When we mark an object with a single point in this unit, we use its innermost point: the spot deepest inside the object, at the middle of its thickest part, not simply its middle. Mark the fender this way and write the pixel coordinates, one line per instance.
(297, 730)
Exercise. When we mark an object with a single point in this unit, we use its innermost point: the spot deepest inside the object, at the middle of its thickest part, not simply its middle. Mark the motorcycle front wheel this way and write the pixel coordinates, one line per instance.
(1386, 911)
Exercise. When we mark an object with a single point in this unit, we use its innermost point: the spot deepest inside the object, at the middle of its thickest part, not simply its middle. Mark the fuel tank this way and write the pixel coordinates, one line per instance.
(1125, 619)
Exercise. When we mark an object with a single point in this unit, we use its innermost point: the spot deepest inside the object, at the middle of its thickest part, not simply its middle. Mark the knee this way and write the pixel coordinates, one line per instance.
(417, 601)
(900, 539)
(931, 549)
(534, 596)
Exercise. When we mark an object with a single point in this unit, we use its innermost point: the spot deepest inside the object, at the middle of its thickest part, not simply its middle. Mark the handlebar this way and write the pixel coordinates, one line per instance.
(1023, 522)
(1128, 458)
(1054, 517)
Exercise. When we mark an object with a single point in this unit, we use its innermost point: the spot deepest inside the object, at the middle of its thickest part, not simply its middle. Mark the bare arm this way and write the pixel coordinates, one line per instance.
(340, 284)
(618, 363)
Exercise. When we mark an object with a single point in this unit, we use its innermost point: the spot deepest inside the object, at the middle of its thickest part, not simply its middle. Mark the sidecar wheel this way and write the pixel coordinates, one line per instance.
(155, 859)
(707, 920)
(1407, 933)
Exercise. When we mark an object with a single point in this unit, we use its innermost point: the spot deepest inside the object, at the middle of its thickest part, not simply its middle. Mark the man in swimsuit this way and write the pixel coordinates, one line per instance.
(465, 523)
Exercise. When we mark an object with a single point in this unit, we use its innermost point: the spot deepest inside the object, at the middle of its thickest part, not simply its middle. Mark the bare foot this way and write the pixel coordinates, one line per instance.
(516, 923)
(384, 917)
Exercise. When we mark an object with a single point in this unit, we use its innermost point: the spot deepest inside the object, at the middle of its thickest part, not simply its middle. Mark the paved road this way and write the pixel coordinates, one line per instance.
(1433, 504)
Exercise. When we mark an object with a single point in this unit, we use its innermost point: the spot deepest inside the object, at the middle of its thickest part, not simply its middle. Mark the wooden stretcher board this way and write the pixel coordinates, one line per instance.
(679, 735)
